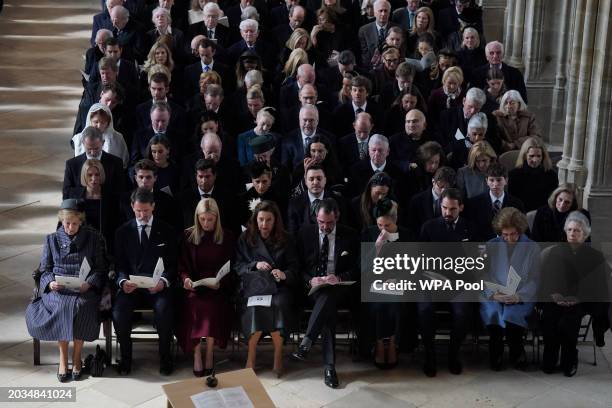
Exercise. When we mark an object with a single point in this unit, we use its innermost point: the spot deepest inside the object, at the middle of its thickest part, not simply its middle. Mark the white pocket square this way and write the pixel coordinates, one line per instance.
(344, 253)
(161, 245)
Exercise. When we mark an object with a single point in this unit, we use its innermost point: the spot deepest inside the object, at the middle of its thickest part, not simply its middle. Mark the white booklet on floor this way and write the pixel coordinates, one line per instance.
(147, 282)
(210, 282)
(324, 285)
(74, 282)
(234, 397)
(511, 283)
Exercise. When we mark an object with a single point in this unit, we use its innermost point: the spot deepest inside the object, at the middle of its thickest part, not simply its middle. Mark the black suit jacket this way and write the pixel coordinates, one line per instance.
(227, 202)
(128, 257)
(179, 144)
(113, 169)
(348, 152)
(346, 252)
(420, 210)
(100, 20)
(292, 147)
(178, 46)
(453, 119)
(166, 209)
(299, 211)
(361, 172)
(513, 79)
(191, 77)
(128, 74)
(344, 116)
(222, 33)
(229, 175)
(265, 51)
(130, 39)
(177, 123)
(435, 230)
(480, 211)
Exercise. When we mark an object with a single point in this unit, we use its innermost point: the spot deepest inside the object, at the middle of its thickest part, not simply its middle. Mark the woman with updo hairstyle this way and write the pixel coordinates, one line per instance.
(61, 314)
(206, 310)
(514, 121)
(387, 317)
(158, 150)
(476, 132)
(550, 219)
(494, 90)
(472, 178)
(575, 280)
(508, 314)
(298, 40)
(395, 117)
(449, 96)
(266, 262)
(534, 178)
(379, 186)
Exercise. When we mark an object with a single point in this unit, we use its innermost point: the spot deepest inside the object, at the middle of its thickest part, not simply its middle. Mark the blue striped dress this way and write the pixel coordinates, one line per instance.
(66, 315)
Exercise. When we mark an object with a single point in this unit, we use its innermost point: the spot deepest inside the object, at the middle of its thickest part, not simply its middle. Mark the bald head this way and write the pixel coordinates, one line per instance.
(211, 146)
(415, 123)
(308, 95)
(306, 74)
(119, 16)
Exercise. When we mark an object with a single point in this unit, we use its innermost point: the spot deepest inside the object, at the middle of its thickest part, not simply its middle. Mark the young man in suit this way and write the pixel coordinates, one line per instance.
(329, 254)
(425, 205)
(159, 87)
(139, 244)
(127, 74)
(207, 50)
(484, 207)
(93, 141)
(354, 146)
(345, 114)
(449, 227)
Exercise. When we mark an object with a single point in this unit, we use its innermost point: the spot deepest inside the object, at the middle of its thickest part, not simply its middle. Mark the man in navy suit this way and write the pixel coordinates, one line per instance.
(159, 86)
(294, 144)
(103, 19)
(484, 207)
(354, 146)
(249, 31)
(139, 244)
(449, 227)
(207, 50)
(344, 115)
(328, 253)
(513, 79)
(289, 93)
(405, 16)
(294, 19)
(210, 27)
(425, 205)
(93, 140)
(127, 74)
(308, 95)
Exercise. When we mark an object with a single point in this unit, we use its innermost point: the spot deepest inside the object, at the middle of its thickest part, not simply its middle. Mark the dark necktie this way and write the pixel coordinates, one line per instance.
(322, 267)
(211, 34)
(381, 35)
(144, 238)
(206, 195)
(450, 226)
(314, 207)
(436, 207)
(307, 142)
(363, 150)
(358, 111)
(115, 32)
(497, 205)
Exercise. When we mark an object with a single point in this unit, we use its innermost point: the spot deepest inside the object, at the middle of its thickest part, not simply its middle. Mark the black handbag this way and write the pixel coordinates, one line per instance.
(258, 283)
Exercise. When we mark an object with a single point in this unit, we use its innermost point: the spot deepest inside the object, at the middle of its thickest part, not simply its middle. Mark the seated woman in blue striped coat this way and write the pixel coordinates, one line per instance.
(61, 314)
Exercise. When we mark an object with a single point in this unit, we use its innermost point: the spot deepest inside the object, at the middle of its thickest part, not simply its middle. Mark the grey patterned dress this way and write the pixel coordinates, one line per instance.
(66, 315)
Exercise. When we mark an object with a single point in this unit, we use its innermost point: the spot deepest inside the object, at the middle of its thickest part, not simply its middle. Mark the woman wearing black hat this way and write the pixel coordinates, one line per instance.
(59, 313)
(260, 175)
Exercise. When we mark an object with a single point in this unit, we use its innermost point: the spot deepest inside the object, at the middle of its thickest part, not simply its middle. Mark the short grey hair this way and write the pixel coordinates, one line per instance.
(92, 133)
(249, 12)
(121, 11)
(377, 138)
(210, 137)
(160, 106)
(104, 32)
(211, 7)
(160, 10)
(311, 108)
(244, 24)
(476, 95)
(253, 77)
(478, 121)
(494, 44)
(513, 96)
(579, 218)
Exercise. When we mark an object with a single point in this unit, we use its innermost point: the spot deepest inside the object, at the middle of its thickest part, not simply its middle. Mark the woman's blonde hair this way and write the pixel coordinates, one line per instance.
(89, 163)
(196, 233)
(534, 142)
(431, 26)
(255, 92)
(297, 57)
(473, 31)
(63, 214)
(455, 72)
(150, 62)
(297, 34)
(265, 112)
(568, 188)
(480, 148)
(213, 76)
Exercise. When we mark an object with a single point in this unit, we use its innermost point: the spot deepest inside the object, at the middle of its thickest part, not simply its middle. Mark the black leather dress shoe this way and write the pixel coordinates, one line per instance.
(166, 367)
(454, 366)
(124, 367)
(331, 378)
(301, 354)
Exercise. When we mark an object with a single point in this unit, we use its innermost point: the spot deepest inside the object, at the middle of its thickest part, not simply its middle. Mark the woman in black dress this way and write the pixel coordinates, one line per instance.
(266, 263)
(158, 150)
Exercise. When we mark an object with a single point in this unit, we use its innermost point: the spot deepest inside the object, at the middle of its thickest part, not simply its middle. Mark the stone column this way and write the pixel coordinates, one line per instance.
(514, 55)
(559, 91)
(534, 24)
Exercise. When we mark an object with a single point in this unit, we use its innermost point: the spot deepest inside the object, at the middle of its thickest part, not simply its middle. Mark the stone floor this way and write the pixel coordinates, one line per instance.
(42, 42)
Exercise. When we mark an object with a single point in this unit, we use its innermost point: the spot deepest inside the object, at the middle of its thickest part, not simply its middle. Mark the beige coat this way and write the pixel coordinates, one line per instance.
(513, 132)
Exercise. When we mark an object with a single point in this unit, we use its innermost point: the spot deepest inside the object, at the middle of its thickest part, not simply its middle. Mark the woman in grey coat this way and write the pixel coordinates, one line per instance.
(64, 315)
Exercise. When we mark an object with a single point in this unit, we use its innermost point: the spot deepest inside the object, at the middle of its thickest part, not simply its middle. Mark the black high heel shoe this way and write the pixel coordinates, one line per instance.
(76, 375)
(63, 377)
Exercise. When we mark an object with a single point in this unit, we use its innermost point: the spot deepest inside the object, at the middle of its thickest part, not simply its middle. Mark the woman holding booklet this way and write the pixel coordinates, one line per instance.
(206, 309)
(75, 256)
(266, 262)
(511, 287)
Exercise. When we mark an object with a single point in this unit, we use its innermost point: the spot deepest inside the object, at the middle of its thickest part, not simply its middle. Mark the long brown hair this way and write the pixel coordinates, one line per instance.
(277, 237)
